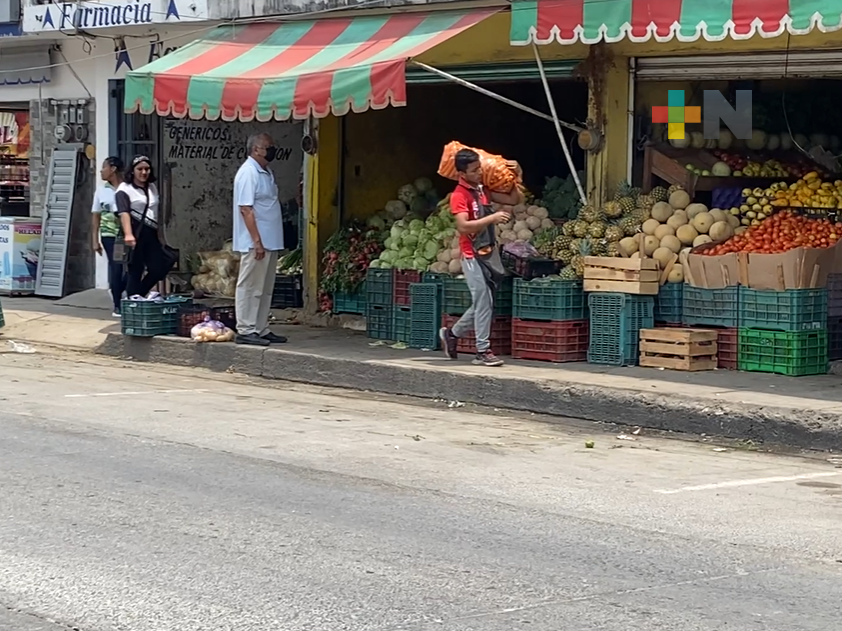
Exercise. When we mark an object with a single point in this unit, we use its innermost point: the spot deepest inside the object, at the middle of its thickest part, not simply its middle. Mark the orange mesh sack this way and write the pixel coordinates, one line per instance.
(498, 174)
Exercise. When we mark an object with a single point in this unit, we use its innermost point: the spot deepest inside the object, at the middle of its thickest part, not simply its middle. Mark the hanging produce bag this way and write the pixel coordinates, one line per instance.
(498, 174)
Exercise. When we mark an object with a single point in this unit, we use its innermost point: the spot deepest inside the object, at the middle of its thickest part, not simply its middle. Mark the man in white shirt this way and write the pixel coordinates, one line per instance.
(258, 236)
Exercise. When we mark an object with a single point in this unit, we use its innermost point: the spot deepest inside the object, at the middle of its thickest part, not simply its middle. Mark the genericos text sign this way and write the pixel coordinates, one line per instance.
(96, 14)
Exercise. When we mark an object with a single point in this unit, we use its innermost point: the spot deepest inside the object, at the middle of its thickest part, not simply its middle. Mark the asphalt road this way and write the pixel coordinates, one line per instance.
(150, 498)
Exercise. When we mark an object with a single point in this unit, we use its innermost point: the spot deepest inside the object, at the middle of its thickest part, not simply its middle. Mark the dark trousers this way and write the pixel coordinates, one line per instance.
(116, 273)
(147, 258)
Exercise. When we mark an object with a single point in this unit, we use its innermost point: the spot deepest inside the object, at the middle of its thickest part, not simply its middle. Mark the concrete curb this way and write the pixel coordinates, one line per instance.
(784, 426)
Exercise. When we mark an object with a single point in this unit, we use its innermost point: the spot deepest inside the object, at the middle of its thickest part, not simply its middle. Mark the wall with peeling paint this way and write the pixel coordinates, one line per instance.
(204, 157)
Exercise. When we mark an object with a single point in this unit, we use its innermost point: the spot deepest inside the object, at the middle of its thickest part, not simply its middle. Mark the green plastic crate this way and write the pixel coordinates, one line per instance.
(353, 303)
(456, 297)
(614, 327)
(401, 323)
(711, 307)
(379, 322)
(379, 285)
(669, 303)
(788, 310)
(549, 300)
(792, 353)
(425, 315)
(141, 318)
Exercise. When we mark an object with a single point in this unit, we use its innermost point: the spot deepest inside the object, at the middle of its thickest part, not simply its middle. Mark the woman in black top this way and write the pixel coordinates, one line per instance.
(138, 207)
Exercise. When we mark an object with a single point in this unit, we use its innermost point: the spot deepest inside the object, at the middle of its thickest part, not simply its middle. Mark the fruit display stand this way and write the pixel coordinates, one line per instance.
(678, 349)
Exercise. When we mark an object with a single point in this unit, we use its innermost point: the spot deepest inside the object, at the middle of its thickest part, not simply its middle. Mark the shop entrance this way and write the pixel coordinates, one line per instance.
(14, 160)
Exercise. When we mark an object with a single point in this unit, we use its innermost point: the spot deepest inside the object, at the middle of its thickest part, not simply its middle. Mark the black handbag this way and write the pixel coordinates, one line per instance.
(123, 252)
(486, 249)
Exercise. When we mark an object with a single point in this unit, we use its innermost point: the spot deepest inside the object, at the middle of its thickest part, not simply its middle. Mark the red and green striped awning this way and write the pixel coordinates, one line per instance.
(592, 21)
(271, 70)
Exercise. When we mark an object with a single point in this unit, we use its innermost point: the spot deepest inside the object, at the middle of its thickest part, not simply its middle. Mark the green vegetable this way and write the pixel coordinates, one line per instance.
(561, 198)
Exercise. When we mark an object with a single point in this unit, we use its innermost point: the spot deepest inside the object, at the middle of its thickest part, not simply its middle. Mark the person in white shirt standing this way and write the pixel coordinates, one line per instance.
(259, 237)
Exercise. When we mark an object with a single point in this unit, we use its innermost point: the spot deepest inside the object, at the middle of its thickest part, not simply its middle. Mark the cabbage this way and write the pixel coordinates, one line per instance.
(416, 225)
(431, 249)
(396, 208)
(409, 240)
(419, 205)
(374, 264)
(396, 231)
(432, 197)
(403, 263)
(423, 184)
(434, 224)
(424, 235)
(420, 263)
(389, 256)
(388, 242)
(376, 222)
(407, 193)
(406, 253)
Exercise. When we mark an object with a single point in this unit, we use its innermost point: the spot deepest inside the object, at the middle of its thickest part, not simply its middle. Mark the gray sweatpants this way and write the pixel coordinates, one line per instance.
(478, 316)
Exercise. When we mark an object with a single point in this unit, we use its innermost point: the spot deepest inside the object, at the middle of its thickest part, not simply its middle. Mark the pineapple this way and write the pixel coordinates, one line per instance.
(646, 202)
(600, 248)
(627, 205)
(567, 228)
(565, 257)
(568, 273)
(612, 210)
(672, 189)
(614, 233)
(641, 214)
(659, 194)
(578, 262)
(597, 230)
(613, 249)
(588, 214)
(575, 245)
(625, 190)
(629, 225)
(562, 243)
(580, 228)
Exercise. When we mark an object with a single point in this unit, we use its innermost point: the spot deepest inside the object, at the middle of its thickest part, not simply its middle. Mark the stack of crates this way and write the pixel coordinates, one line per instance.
(615, 323)
(352, 303)
(379, 305)
(834, 317)
(550, 320)
(669, 304)
(425, 312)
(402, 280)
(783, 332)
(148, 318)
(715, 309)
(456, 299)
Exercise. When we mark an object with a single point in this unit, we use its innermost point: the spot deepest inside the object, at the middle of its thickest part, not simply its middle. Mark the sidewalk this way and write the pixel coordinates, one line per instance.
(801, 412)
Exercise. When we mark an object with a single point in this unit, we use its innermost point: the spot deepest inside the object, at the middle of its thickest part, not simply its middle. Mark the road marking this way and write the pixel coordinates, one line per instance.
(132, 394)
(756, 481)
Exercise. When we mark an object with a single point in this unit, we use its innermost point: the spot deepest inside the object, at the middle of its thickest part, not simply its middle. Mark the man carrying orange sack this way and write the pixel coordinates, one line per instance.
(481, 263)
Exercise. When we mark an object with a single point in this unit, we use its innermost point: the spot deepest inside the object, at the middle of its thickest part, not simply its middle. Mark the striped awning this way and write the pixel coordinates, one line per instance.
(592, 21)
(271, 70)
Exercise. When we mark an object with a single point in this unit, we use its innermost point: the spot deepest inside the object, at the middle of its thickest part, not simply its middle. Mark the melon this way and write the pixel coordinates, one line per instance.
(718, 215)
(650, 225)
(628, 245)
(701, 240)
(726, 138)
(650, 244)
(773, 142)
(686, 234)
(733, 221)
(679, 199)
(662, 211)
(678, 219)
(721, 231)
(694, 209)
(720, 169)
(681, 143)
(663, 230)
(676, 274)
(757, 140)
(697, 140)
(663, 256)
(671, 243)
(702, 222)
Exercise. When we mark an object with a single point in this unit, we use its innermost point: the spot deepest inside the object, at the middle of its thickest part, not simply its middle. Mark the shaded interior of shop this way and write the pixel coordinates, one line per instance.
(388, 148)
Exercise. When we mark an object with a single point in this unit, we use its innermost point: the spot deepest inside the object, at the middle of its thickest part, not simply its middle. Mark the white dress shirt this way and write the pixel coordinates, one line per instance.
(255, 186)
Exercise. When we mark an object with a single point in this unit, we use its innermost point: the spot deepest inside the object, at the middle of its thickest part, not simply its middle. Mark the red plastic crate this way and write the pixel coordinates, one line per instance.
(501, 335)
(565, 341)
(400, 287)
(727, 346)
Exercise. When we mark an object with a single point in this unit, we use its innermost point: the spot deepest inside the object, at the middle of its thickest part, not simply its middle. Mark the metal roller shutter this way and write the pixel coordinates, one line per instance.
(809, 65)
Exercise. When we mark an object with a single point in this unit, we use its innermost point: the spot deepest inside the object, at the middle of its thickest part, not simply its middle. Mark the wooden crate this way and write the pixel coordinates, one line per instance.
(622, 275)
(678, 349)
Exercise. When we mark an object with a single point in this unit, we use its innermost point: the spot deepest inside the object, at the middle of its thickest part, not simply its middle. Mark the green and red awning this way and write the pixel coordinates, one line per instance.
(592, 21)
(270, 70)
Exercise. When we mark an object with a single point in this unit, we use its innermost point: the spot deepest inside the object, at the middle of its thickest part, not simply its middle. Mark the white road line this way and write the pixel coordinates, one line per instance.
(756, 481)
(133, 394)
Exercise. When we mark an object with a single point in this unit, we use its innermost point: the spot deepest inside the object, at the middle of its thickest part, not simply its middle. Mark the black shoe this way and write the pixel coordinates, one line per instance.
(251, 339)
(487, 359)
(449, 343)
(274, 339)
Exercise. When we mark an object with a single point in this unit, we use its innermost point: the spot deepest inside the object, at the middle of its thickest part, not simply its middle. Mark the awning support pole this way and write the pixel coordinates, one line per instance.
(503, 99)
(558, 124)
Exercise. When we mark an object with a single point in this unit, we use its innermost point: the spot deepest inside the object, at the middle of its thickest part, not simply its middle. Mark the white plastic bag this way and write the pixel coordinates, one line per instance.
(211, 331)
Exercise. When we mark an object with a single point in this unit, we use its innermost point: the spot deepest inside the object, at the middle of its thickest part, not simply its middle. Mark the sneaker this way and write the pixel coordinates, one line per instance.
(449, 343)
(487, 359)
(116, 314)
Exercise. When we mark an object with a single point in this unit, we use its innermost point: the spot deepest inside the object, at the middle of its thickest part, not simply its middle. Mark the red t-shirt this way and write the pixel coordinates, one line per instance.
(462, 200)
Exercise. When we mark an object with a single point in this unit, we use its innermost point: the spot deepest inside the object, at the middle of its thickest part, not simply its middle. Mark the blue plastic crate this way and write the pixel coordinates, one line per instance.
(401, 323)
(549, 300)
(669, 303)
(146, 318)
(788, 310)
(425, 315)
(615, 323)
(711, 307)
(457, 297)
(379, 287)
(379, 322)
(353, 303)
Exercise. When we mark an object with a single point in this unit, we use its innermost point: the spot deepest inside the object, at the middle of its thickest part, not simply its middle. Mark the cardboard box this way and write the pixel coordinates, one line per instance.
(800, 268)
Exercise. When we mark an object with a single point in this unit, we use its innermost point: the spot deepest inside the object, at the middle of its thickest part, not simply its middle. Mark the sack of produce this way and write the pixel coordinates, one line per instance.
(498, 174)
(211, 331)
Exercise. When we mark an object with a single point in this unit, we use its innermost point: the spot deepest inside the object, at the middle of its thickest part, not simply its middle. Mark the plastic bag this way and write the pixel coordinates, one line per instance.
(211, 331)
(498, 174)
(521, 249)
